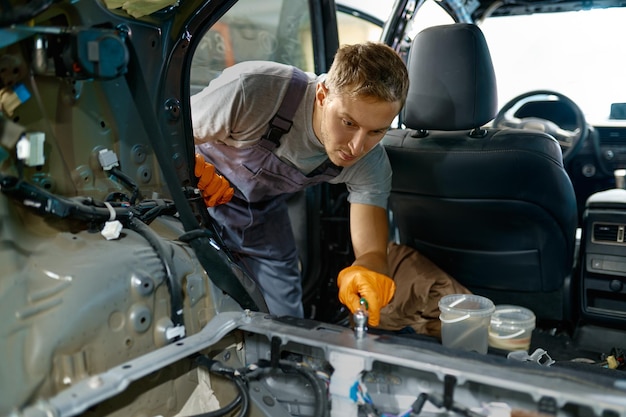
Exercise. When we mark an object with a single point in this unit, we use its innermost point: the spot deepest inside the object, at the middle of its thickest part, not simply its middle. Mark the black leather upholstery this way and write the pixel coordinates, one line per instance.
(494, 208)
(453, 85)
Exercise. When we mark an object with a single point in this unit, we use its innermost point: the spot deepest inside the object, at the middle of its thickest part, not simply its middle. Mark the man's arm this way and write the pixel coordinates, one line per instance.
(367, 278)
(369, 230)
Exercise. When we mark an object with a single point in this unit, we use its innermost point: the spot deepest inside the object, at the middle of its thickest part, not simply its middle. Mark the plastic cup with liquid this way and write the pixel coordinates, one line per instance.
(465, 320)
(511, 328)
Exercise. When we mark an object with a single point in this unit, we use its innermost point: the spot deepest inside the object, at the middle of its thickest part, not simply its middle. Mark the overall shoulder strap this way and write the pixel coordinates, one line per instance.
(282, 120)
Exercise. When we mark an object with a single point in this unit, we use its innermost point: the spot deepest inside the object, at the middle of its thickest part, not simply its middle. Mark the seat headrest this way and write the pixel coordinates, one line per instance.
(452, 81)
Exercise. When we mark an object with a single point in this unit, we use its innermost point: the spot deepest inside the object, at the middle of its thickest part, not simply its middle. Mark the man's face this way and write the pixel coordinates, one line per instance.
(349, 127)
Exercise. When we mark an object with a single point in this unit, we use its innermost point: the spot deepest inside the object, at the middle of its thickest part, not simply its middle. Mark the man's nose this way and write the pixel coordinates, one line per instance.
(357, 143)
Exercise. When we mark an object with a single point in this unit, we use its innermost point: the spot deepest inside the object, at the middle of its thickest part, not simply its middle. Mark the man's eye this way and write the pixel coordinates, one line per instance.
(347, 122)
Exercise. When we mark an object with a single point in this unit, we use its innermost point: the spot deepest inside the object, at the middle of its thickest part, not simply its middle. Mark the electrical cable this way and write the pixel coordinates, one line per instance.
(116, 196)
(148, 210)
(157, 211)
(128, 181)
(243, 397)
(321, 398)
(48, 204)
(242, 400)
(174, 287)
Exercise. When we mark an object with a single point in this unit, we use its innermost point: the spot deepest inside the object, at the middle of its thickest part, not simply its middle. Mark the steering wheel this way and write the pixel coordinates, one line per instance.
(570, 140)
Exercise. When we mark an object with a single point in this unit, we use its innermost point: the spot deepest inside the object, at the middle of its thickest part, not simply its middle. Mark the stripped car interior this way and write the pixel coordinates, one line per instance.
(118, 297)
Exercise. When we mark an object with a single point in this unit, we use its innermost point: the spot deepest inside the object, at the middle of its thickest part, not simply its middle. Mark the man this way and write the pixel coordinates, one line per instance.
(323, 128)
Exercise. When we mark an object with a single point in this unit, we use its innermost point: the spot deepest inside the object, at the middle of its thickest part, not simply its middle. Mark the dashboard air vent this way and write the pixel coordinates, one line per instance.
(606, 232)
(611, 136)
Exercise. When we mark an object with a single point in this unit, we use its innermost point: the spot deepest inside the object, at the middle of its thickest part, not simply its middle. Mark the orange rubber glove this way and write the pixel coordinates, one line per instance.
(215, 188)
(356, 282)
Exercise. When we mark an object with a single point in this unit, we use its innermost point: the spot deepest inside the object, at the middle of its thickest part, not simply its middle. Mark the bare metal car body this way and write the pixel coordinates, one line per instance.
(116, 296)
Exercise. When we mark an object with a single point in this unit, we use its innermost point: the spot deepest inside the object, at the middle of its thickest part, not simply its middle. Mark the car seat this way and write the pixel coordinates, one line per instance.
(494, 208)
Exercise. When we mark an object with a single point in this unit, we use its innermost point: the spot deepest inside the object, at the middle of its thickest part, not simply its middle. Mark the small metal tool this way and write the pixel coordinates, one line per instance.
(360, 317)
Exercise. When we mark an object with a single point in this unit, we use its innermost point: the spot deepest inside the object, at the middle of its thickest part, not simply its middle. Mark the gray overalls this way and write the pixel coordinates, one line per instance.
(255, 224)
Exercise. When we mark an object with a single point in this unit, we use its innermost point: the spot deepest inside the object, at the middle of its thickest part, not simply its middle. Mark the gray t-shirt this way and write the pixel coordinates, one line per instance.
(236, 109)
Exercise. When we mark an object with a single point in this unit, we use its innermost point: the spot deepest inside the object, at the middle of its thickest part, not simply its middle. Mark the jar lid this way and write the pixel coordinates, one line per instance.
(467, 304)
(510, 315)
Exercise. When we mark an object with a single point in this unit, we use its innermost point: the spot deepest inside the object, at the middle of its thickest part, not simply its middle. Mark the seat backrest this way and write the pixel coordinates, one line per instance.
(493, 208)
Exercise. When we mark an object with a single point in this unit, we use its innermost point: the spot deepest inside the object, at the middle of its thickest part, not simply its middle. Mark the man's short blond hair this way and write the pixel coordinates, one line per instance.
(370, 69)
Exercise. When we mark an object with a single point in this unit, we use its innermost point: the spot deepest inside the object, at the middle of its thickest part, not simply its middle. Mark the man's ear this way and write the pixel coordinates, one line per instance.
(321, 93)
